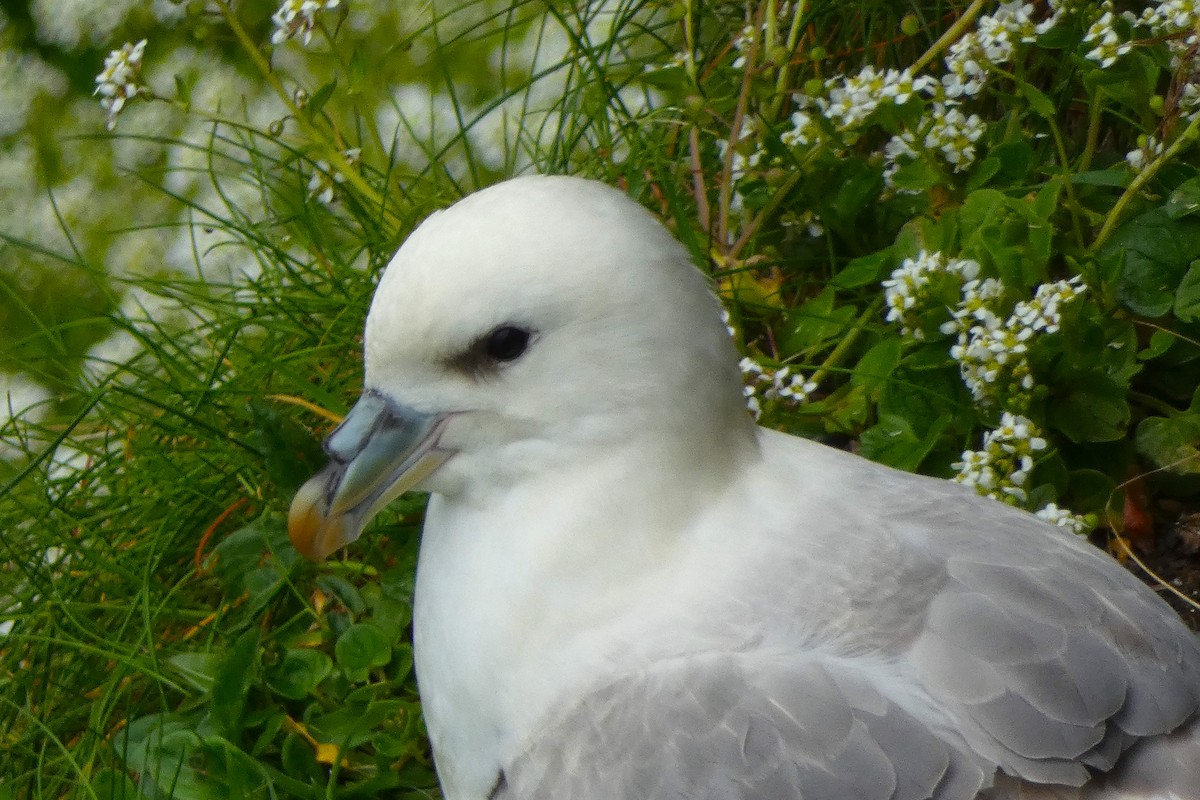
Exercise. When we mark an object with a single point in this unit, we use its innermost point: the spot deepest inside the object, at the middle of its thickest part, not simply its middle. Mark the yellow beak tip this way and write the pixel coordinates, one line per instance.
(314, 533)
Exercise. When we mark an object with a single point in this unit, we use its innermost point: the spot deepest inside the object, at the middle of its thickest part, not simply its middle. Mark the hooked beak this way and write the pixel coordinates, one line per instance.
(380, 451)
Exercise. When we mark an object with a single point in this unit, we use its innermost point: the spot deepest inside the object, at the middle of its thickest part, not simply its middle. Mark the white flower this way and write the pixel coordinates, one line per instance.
(804, 130)
(1108, 44)
(851, 99)
(1002, 467)
(991, 354)
(763, 384)
(298, 16)
(1189, 101)
(1063, 518)
(906, 291)
(324, 180)
(742, 43)
(954, 134)
(900, 86)
(1150, 149)
(727, 320)
(118, 82)
(751, 369)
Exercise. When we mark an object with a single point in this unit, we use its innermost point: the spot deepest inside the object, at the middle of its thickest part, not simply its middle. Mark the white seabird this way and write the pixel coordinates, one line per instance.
(627, 591)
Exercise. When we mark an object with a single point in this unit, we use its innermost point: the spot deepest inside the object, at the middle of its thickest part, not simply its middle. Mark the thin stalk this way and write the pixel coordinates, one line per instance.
(1065, 167)
(339, 163)
(793, 39)
(1111, 220)
(952, 34)
(835, 356)
(725, 195)
(1093, 130)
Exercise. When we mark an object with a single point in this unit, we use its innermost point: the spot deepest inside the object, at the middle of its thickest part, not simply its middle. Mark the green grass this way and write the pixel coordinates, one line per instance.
(165, 638)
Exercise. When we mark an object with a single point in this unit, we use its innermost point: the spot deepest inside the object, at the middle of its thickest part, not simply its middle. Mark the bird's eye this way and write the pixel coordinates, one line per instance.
(506, 343)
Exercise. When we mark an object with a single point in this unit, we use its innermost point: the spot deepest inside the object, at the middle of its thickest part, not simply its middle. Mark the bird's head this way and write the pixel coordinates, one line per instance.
(532, 324)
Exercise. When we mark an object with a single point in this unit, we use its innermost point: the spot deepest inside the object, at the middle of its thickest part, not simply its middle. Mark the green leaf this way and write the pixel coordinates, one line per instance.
(1007, 235)
(352, 725)
(1160, 342)
(1184, 200)
(983, 172)
(1092, 409)
(1047, 199)
(299, 672)
(319, 98)
(917, 176)
(1038, 101)
(232, 681)
(291, 452)
(198, 669)
(865, 270)
(361, 647)
(344, 591)
(1015, 160)
(238, 555)
(357, 70)
(816, 322)
(894, 442)
(1187, 297)
(1171, 443)
(183, 93)
(1157, 252)
(860, 184)
(1102, 177)
(1090, 489)
(877, 365)
(158, 749)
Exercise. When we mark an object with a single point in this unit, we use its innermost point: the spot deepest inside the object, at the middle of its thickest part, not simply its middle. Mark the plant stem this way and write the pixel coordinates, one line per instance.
(952, 34)
(835, 355)
(339, 163)
(1185, 140)
(1095, 107)
(793, 38)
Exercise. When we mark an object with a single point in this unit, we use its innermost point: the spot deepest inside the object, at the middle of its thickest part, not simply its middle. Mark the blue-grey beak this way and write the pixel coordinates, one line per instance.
(380, 451)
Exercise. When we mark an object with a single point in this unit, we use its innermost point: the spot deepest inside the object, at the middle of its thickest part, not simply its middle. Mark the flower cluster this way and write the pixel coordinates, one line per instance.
(323, 183)
(1173, 21)
(782, 384)
(1002, 467)
(992, 355)
(298, 17)
(991, 350)
(991, 43)
(118, 82)
(1148, 149)
(1042, 313)
(851, 99)
(1170, 16)
(1107, 43)
(948, 132)
(1176, 22)
(1064, 518)
(909, 290)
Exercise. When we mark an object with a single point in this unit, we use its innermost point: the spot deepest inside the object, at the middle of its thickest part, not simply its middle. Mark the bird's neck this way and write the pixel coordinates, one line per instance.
(507, 583)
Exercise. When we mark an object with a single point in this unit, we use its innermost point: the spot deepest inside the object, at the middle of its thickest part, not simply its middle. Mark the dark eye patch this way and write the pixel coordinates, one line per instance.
(506, 343)
(502, 344)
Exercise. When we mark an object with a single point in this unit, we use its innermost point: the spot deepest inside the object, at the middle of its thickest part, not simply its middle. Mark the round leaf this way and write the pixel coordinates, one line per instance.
(299, 672)
(361, 647)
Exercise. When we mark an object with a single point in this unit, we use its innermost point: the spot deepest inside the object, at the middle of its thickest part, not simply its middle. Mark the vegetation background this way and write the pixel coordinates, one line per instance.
(960, 237)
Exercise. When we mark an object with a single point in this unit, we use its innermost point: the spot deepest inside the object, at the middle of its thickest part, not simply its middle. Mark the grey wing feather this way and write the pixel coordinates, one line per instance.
(1049, 657)
(742, 727)
(1026, 661)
